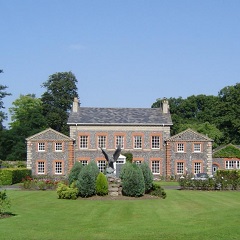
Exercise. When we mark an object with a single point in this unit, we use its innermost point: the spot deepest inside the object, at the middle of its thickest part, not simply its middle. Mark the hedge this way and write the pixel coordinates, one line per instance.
(9, 176)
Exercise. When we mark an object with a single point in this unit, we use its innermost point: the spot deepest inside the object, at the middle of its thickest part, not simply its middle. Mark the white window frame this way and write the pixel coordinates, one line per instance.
(197, 167)
(40, 167)
(197, 147)
(137, 142)
(180, 168)
(83, 142)
(101, 165)
(155, 142)
(41, 147)
(58, 167)
(58, 147)
(180, 147)
(229, 164)
(84, 162)
(102, 139)
(120, 141)
(155, 166)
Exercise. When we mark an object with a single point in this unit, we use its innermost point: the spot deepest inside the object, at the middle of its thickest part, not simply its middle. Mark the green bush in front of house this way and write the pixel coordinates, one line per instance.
(148, 176)
(101, 185)
(133, 184)
(9, 176)
(76, 169)
(158, 191)
(67, 192)
(86, 182)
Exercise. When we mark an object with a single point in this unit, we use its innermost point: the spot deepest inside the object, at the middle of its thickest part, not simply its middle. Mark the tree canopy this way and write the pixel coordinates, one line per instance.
(61, 88)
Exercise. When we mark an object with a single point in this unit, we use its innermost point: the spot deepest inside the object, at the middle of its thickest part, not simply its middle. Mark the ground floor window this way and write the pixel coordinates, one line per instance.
(83, 162)
(197, 167)
(58, 168)
(101, 165)
(41, 167)
(155, 167)
(232, 164)
(180, 168)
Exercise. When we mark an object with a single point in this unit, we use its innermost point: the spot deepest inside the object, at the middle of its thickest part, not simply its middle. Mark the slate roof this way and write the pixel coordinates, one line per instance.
(119, 116)
(189, 135)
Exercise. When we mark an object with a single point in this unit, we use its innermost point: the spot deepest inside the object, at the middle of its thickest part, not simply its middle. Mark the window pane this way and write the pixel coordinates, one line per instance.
(58, 168)
(58, 146)
(155, 166)
(83, 141)
(137, 142)
(41, 146)
(156, 142)
(180, 147)
(197, 147)
(102, 141)
(83, 162)
(180, 167)
(41, 167)
(120, 141)
(197, 167)
(101, 165)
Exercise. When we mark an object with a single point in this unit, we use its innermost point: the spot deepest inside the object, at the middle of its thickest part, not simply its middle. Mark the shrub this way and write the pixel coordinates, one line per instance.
(4, 202)
(132, 180)
(129, 156)
(86, 182)
(101, 185)
(73, 175)
(148, 176)
(94, 169)
(67, 192)
(158, 191)
(11, 176)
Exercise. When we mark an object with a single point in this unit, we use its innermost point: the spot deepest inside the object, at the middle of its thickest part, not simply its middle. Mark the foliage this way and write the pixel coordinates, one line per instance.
(101, 185)
(129, 156)
(4, 202)
(61, 88)
(40, 183)
(86, 182)
(228, 179)
(11, 176)
(132, 180)
(230, 151)
(67, 192)
(94, 169)
(76, 169)
(158, 191)
(148, 176)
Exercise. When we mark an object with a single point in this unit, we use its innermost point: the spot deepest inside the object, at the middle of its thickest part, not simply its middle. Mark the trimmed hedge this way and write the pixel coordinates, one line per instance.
(9, 176)
(101, 185)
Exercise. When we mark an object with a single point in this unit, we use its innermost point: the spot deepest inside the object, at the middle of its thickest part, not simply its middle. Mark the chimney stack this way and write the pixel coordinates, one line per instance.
(165, 106)
(75, 105)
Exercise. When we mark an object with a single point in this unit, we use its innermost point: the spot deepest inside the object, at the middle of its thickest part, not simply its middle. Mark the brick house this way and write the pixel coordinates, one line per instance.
(188, 152)
(144, 132)
(50, 153)
(226, 157)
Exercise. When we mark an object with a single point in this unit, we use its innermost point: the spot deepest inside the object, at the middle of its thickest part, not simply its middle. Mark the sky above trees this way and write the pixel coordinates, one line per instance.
(123, 53)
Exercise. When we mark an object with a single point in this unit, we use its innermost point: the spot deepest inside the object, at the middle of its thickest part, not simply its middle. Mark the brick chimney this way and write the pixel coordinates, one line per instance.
(75, 105)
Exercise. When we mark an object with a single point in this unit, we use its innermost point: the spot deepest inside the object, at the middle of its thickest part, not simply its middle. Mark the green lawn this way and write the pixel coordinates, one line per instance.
(182, 215)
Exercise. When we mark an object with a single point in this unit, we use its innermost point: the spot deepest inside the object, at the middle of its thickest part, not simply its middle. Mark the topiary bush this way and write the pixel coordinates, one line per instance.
(101, 185)
(132, 180)
(73, 175)
(148, 176)
(86, 182)
(158, 191)
(66, 192)
(94, 169)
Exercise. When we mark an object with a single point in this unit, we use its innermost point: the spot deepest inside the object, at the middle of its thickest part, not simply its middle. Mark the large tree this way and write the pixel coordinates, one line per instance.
(27, 119)
(61, 88)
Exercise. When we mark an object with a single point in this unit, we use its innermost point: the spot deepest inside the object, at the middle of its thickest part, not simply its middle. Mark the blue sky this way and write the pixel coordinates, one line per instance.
(124, 53)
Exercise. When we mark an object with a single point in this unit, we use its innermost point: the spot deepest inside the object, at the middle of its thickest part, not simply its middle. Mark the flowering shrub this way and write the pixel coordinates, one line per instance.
(40, 183)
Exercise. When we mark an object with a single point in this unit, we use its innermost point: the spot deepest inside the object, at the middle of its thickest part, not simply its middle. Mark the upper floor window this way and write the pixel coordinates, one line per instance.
(180, 147)
(229, 164)
(155, 142)
(196, 147)
(137, 142)
(83, 142)
(120, 141)
(41, 146)
(155, 167)
(102, 141)
(58, 147)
